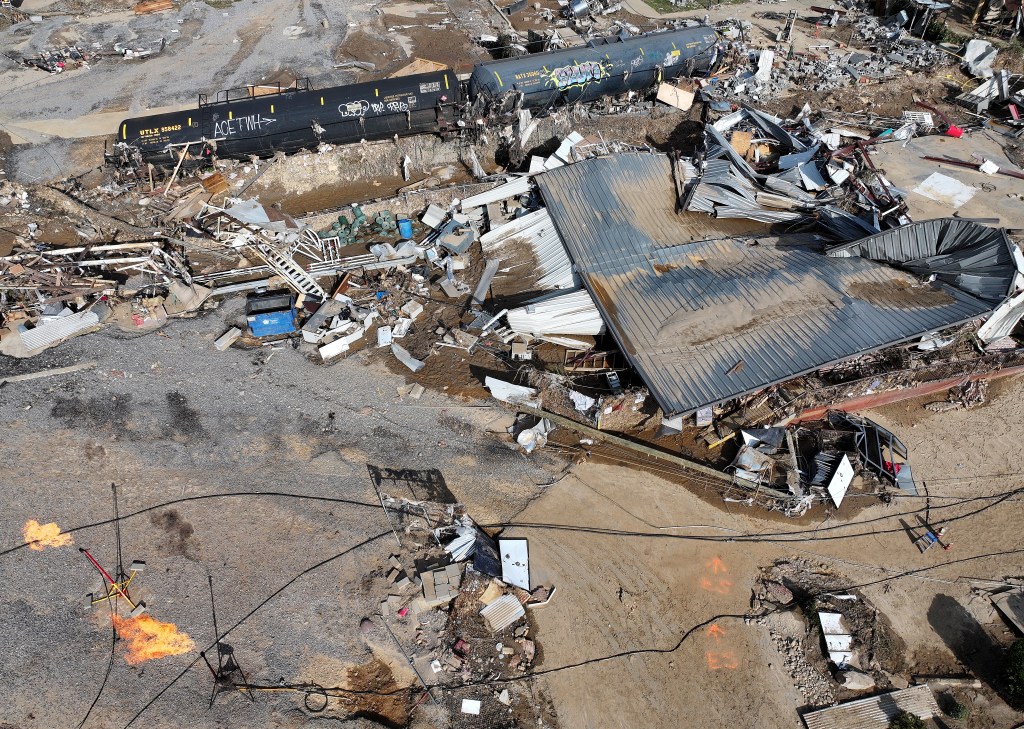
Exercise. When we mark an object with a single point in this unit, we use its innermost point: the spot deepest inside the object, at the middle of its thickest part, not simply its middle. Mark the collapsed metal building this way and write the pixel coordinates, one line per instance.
(703, 321)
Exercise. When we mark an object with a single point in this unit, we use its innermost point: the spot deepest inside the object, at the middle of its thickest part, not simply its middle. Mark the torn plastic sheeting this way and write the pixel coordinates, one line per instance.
(536, 437)
(581, 402)
(978, 57)
(486, 559)
(511, 393)
(405, 358)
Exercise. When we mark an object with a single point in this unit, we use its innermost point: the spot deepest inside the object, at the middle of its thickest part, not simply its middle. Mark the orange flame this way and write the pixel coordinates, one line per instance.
(40, 536)
(148, 638)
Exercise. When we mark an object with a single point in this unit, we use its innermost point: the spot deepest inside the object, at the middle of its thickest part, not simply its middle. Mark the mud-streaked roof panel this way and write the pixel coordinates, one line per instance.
(707, 321)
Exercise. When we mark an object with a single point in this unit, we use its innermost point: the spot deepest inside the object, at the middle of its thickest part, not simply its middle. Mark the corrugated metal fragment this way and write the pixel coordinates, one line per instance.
(875, 712)
(536, 230)
(513, 188)
(503, 612)
(53, 332)
(970, 256)
(562, 313)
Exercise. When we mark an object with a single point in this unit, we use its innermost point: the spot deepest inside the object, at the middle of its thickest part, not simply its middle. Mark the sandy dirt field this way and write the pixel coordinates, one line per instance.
(628, 640)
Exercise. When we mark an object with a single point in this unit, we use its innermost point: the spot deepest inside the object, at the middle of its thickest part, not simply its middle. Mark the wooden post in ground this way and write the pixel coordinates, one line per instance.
(177, 167)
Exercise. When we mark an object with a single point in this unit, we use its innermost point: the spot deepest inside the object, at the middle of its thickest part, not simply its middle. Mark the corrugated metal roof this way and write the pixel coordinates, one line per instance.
(967, 255)
(536, 230)
(711, 320)
(503, 612)
(560, 313)
(875, 712)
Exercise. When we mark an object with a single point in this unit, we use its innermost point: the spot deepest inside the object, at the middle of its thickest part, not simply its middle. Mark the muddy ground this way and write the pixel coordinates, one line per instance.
(250, 466)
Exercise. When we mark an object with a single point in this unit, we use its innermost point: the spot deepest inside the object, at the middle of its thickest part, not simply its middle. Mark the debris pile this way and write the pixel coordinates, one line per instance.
(888, 50)
(835, 644)
(59, 60)
(969, 395)
(759, 167)
(461, 597)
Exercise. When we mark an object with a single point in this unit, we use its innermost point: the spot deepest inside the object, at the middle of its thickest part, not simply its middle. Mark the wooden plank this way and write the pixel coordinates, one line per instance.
(48, 373)
(153, 6)
(675, 460)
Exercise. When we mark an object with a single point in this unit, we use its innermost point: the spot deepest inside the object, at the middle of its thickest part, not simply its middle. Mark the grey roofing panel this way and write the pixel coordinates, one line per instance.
(686, 313)
(967, 255)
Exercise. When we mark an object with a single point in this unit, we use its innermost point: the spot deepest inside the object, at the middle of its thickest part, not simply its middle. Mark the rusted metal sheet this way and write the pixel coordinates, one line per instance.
(867, 402)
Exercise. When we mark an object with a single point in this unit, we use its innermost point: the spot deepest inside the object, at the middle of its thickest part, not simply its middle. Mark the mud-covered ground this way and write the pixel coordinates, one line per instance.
(248, 466)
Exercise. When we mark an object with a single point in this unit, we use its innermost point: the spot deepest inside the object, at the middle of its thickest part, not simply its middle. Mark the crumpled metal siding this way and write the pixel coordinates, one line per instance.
(962, 253)
(537, 231)
(616, 215)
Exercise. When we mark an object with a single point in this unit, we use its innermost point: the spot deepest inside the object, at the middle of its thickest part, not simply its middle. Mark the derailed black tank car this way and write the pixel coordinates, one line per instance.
(299, 119)
(598, 69)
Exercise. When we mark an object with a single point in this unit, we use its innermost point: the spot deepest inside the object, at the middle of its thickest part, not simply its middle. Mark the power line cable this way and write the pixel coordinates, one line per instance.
(278, 591)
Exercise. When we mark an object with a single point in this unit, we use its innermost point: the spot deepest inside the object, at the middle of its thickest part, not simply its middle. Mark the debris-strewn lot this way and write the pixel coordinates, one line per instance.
(648, 380)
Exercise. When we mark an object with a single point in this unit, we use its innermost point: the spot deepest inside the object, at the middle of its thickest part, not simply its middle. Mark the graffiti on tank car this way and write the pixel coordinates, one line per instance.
(225, 128)
(578, 74)
(671, 59)
(354, 108)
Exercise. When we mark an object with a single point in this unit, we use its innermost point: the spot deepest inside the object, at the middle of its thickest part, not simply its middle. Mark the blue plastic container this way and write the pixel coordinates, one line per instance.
(405, 228)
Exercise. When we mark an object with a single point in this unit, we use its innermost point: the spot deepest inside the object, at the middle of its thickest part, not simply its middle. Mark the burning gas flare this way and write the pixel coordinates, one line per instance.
(148, 638)
(40, 536)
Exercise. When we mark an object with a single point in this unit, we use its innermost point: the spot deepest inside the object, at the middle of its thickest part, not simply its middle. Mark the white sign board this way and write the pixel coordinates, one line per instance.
(841, 481)
(515, 562)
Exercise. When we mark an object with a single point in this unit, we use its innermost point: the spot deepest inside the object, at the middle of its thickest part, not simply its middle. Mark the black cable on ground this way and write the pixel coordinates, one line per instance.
(773, 537)
(723, 616)
(230, 494)
(110, 662)
(278, 591)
